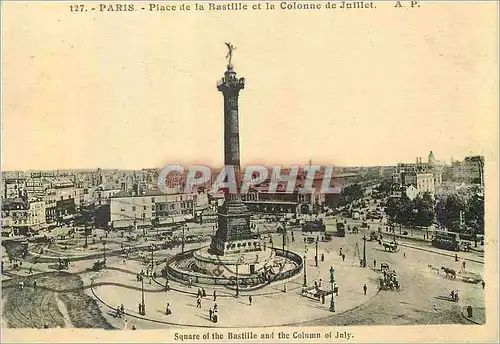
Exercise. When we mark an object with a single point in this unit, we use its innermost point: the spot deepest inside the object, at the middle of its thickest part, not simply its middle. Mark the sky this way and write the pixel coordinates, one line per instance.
(138, 90)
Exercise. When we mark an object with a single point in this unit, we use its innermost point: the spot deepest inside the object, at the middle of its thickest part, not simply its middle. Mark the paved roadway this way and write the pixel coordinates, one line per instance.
(423, 298)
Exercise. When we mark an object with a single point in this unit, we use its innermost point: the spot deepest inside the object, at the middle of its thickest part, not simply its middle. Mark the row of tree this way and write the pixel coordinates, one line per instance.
(461, 213)
(455, 212)
(411, 213)
(350, 194)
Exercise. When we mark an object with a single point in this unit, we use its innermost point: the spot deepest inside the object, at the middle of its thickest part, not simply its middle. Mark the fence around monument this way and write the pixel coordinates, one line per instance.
(177, 273)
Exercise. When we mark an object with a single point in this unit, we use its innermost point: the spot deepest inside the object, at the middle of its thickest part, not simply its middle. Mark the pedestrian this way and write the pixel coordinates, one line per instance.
(483, 283)
(284, 288)
(452, 295)
(140, 308)
(198, 293)
(343, 257)
(463, 264)
(320, 282)
(190, 282)
(250, 300)
(34, 284)
(404, 254)
(149, 280)
(215, 316)
(122, 309)
(133, 326)
(210, 313)
(322, 257)
(203, 292)
(215, 296)
(315, 285)
(340, 252)
(365, 288)
(30, 271)
(118, 314)
(167, 286)
(215, 306)
(21, 285)
(374, 263)
(167, 309)
(125, 325)
(198, 302)
(336, 289)
(323, 299)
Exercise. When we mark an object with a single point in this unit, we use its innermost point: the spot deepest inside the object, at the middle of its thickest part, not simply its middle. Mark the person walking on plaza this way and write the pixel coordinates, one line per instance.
(34, 284)
(122, 309)
(323, 299)
(198, 293)
(456, 257)
(365, 288)
(322, 257)
(215, 316)
(210, 313)
(483, 283)
(215, 296)
(167, 309)
(374, 263)
(463, 264)
(203, 292)
(198, 302)
(343, 257)
(250, 300)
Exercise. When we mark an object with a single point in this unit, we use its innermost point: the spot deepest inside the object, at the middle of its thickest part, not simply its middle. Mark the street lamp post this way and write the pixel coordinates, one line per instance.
(104, 244)
(237, 282)
(316, 258)
(183, 237)
(332, 280)
(143, 308)
(364, 251)
(284, 236)
(152, 258)
(86, 236)
(305, 271)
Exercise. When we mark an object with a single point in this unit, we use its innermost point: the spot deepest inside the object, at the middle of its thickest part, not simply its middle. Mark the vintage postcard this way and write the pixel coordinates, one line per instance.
(259, 171)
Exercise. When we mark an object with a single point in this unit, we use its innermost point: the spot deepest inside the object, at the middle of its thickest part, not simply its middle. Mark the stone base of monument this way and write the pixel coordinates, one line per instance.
(251, 268)
(248, 263)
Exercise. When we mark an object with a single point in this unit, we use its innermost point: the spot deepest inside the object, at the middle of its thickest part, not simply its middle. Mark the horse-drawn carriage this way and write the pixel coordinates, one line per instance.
(373, 236)
(99, 265)
(470, 277)
(388, 280)
(390, 246)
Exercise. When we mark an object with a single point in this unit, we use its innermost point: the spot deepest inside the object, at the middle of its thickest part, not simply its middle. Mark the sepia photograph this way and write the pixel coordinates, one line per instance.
(280, 171)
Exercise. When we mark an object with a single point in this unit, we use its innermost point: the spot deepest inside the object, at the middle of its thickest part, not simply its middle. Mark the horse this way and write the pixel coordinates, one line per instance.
(449, 272)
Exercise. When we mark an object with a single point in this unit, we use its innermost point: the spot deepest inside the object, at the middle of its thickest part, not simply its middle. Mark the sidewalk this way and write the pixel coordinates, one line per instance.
(440, 252)
(272, 304)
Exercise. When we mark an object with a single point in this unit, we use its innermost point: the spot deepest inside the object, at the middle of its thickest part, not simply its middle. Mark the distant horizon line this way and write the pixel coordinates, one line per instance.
(439, 162)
